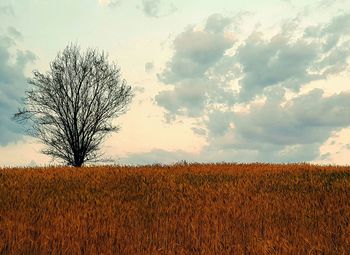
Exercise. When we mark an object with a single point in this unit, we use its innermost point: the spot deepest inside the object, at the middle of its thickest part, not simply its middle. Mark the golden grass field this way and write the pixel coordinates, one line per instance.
(180, 209)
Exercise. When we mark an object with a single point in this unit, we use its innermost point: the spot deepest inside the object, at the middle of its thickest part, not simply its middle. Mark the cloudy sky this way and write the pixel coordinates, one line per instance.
(265, 81)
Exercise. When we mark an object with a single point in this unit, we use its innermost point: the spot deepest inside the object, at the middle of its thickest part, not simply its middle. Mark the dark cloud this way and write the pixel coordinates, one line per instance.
(307, 119)
(219, 122)
(323, 50)
(189, 99)
(12, 87)
(157, 8)
(331, 33)
(276, 61)
(195, 51)
(273, 129)
(338, 26)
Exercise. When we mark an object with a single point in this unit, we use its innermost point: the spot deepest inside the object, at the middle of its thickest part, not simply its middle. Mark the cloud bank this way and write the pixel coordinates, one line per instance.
(12, 85)
(213, 75)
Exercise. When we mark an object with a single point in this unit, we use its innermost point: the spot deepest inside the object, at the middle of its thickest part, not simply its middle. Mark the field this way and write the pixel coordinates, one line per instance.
(179, 209)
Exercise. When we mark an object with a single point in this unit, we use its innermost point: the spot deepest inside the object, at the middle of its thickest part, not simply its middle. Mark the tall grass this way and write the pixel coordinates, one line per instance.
(180, 209)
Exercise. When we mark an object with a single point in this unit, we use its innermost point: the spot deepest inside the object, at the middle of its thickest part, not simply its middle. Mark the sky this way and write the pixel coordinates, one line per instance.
(214, 81)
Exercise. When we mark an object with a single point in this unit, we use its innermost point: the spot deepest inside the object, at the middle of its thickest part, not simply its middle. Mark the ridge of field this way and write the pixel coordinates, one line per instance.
(178, 209)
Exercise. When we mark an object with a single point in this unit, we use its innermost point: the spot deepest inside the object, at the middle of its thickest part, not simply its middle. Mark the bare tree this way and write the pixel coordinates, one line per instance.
(70, 108)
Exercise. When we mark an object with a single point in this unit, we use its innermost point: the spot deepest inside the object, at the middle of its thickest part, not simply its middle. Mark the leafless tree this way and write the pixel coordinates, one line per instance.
(70, 108)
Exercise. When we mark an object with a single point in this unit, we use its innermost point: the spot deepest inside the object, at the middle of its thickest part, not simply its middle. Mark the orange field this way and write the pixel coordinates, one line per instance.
(179, 209)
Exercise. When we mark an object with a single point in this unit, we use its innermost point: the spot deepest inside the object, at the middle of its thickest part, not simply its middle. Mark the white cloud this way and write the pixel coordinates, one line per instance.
(279, 129)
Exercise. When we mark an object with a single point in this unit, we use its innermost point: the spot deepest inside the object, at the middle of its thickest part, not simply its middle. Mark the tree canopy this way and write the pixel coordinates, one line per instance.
(71, 107)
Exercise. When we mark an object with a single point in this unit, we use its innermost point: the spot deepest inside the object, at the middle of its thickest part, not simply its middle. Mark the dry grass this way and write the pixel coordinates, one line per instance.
(182, 209)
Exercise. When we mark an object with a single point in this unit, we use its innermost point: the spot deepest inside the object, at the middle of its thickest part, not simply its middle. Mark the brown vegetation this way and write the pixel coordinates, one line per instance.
(180, 209)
